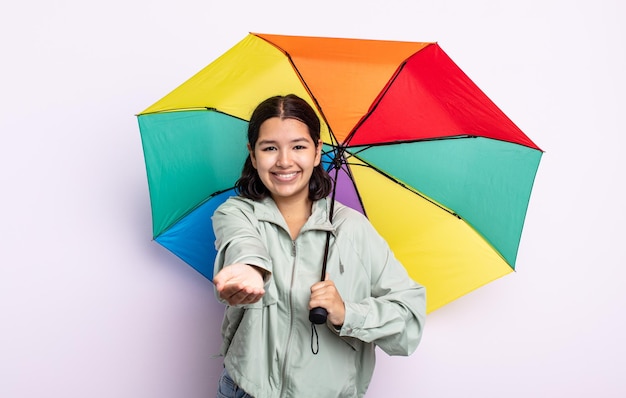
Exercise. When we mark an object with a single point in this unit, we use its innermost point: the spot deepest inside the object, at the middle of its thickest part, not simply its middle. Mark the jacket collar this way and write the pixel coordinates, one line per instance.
(266, 210)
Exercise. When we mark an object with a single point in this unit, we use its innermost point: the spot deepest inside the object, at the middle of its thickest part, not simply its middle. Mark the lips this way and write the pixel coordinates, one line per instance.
(285, 176)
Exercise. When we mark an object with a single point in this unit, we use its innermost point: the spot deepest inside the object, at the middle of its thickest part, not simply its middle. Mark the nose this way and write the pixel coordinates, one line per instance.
(283, 159)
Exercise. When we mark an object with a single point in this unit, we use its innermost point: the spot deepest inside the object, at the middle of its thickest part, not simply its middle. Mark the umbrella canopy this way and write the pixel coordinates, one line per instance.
(441, 172)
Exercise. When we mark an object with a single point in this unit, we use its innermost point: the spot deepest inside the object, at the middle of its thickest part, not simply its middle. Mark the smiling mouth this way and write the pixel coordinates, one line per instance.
(285, 176)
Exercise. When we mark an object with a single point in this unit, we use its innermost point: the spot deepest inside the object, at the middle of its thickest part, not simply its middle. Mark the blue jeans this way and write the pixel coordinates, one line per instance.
(228, 389)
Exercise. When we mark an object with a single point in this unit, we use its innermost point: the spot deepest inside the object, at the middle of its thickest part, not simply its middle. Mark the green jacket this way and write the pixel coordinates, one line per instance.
(267, 345)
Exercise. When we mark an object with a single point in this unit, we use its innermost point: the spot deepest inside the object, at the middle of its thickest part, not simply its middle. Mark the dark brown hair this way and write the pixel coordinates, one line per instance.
(289, 106)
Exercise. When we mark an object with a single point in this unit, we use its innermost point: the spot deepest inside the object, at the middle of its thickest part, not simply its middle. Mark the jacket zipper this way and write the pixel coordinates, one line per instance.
(289, 336)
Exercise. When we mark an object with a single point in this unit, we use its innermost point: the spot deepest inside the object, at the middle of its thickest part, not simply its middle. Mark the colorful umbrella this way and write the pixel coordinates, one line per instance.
(411, 141)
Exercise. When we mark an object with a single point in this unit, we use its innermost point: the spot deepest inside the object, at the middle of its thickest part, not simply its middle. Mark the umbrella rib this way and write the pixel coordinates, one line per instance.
(376, 102)
(343, 161)
(362, 163)
(224, 113)
(196, 207)
(200, 108)
(397, 142)
(345, 167)
(443, 138)
(305, 85)
(342, 149)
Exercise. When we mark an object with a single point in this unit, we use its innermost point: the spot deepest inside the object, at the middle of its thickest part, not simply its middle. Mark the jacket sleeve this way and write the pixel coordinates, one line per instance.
(237, 239)
(393, 317)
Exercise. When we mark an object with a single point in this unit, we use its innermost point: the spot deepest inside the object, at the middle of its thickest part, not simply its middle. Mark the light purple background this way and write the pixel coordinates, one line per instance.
(91, 307)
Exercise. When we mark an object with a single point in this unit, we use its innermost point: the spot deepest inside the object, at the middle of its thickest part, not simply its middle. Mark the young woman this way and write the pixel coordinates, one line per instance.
(271, 241)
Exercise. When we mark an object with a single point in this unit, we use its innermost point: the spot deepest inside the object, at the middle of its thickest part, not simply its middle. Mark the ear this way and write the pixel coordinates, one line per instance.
(318, 152)
(252, 158)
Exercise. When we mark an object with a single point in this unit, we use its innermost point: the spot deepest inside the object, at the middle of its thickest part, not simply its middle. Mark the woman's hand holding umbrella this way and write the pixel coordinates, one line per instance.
(324, 294)
(240, 284)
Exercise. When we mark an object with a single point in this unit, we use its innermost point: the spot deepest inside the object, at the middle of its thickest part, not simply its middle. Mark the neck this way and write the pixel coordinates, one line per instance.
(297, 209)
(295, 213)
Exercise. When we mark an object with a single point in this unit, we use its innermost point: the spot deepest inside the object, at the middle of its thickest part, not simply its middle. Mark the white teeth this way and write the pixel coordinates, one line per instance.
(286, 175)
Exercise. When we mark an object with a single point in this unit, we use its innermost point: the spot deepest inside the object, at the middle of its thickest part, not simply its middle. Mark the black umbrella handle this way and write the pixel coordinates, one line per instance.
(318, 315)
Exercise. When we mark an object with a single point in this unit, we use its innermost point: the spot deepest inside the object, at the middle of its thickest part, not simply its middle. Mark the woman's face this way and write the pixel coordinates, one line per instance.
(284, 157)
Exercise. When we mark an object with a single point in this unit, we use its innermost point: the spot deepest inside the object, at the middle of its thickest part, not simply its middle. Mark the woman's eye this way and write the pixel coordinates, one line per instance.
(269, 148)
(299, 147)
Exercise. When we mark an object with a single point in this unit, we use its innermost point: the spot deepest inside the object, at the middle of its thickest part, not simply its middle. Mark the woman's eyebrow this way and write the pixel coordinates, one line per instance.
(265, 142)
(274, 142)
